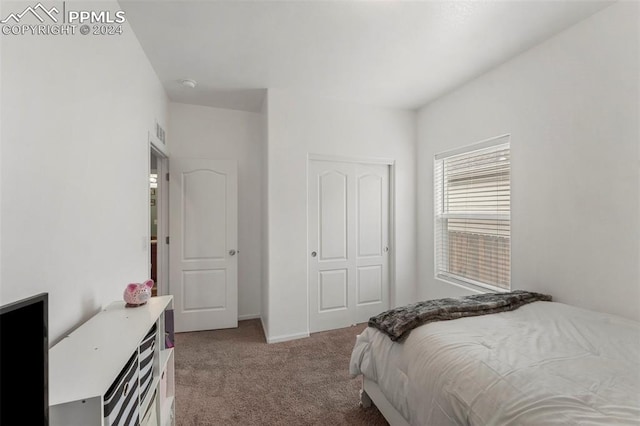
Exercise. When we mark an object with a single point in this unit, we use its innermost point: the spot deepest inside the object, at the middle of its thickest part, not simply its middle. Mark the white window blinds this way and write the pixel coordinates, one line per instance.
(472, 214)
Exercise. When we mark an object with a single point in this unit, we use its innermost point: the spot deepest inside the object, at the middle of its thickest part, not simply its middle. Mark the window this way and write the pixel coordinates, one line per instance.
(472, 215)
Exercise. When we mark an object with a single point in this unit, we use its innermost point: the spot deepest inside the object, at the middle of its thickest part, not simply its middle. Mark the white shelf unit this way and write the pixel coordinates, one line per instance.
(84, 365)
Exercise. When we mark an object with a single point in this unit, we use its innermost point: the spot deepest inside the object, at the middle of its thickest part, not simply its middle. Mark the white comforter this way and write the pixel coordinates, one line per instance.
(545, 363)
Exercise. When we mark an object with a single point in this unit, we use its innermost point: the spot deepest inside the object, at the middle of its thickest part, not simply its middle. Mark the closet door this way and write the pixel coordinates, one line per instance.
(372, 241)
(331, 245)
(348, 216)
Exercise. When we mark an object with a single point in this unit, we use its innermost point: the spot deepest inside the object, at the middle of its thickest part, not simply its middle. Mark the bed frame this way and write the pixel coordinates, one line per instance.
(371, 393)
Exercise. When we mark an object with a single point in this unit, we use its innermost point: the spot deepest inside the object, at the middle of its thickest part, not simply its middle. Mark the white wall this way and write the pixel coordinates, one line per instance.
(571, 106)
(221, 134)
(76, 112)
(299, 125)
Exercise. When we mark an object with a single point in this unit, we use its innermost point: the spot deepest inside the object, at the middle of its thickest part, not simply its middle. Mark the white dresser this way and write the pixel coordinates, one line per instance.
(100, 358)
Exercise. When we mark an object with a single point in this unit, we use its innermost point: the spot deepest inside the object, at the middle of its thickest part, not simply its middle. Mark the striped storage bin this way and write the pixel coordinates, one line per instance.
(121, 405)
(147, 349)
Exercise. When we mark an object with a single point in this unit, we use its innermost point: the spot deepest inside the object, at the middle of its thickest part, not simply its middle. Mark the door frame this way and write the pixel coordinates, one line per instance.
(162, 206)
(391, 163)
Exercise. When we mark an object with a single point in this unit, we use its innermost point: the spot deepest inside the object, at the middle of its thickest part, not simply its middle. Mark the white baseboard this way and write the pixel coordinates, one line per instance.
(248, 317)
(287, 337)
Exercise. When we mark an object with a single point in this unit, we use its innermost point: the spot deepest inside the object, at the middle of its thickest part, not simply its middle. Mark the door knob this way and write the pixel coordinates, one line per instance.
(386, 249)
(314, 254)
(232, 252)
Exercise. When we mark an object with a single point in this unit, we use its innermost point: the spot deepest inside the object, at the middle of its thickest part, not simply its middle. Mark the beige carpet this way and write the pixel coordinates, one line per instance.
(232, 377)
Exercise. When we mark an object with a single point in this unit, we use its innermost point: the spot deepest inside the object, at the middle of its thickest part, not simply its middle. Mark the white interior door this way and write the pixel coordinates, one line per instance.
(331, 245)
(204, 238)
(348, 243)
(372, 241)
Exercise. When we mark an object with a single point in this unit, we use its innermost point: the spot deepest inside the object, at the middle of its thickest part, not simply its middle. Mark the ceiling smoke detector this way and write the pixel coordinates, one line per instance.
(189, 83)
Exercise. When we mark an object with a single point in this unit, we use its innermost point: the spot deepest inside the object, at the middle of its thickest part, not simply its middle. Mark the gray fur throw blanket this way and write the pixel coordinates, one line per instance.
(397, 323)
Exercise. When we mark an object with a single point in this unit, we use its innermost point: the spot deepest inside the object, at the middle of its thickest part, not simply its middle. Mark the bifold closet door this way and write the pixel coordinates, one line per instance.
(348, 243)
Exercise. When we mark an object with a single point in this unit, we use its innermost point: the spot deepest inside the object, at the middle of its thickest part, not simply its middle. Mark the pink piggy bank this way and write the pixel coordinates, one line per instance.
(138, 294)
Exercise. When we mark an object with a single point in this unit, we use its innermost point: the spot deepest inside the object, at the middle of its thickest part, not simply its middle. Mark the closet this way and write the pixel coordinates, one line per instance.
(348, 251)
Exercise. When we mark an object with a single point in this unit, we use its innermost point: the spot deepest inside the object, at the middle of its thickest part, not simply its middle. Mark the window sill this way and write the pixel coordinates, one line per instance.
(476, 288)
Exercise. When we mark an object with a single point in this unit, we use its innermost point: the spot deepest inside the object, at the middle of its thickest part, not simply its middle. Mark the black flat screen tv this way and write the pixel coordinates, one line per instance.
(24, 362)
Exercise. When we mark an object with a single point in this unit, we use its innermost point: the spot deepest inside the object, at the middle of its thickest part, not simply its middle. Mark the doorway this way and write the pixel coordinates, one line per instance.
(158, 222)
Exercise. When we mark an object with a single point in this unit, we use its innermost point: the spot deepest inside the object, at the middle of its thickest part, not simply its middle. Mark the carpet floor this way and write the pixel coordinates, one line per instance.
(233, 377)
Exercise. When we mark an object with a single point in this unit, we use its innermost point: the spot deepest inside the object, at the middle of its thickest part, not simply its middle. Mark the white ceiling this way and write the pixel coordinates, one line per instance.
(399, 54)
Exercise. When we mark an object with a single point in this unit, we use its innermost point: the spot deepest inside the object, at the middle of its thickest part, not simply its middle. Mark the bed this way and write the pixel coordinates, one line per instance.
(543, 363)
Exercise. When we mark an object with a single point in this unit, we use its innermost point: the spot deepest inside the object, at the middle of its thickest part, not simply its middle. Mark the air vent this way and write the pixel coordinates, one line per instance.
(160, 133)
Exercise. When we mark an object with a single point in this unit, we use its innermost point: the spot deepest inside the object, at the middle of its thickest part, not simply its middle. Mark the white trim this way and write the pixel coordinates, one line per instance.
(392, 235)
(487, 143)
(434, 225)
(359, 160)
(162, 207)
(468, 284)
(287, 337)
(477, 215)
(248, 317)
(306, 240)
